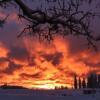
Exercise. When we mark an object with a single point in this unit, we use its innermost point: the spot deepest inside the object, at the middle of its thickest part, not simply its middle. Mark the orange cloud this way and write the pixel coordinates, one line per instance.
(3, 64)
(3, 50)
(43, 65)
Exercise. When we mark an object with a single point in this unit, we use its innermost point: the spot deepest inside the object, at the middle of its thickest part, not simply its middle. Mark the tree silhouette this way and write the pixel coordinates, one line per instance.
(75, 82)
(80, 83)
(92, 81)
(60, 17)
(98, 81)
(84, 83)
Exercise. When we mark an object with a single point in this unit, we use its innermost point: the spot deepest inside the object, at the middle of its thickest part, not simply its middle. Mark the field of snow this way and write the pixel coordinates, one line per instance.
(22, 94)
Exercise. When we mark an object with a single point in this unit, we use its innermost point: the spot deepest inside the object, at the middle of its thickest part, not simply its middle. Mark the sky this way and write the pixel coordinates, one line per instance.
(31, 63)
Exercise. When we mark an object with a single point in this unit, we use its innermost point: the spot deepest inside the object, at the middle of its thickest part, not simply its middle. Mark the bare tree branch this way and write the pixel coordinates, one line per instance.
(66, 17)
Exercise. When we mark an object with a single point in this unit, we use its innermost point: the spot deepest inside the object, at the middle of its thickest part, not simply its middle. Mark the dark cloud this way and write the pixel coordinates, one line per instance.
(91, 64)
(18, 53)
(76, 44)
(11, 68)
(54, 58)
(31, 61)
(21, 54)
(88, 62)
(2, 59)
(37, 75)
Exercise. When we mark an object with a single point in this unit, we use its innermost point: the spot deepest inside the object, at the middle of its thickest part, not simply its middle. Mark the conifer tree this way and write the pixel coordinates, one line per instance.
(84, 83)
(75, 82)
(80, 83)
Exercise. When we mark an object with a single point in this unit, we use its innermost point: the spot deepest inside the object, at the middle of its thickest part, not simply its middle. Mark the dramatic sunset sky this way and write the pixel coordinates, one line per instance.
(31, 63)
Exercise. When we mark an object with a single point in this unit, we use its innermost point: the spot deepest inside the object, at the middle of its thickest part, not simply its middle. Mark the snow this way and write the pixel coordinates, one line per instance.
(24, 94)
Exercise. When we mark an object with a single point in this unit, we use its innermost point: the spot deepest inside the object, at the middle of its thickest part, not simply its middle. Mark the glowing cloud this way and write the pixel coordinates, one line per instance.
(45, 65)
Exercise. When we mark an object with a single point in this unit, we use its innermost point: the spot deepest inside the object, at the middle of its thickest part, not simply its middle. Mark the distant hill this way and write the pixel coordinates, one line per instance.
(12, 87)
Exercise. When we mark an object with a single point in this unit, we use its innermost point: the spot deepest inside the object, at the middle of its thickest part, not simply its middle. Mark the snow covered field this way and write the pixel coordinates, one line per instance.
(22, 94)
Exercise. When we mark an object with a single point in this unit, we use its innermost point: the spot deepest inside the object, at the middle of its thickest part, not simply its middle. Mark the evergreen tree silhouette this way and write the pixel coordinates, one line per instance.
(80, 83)
(99, 81)
(84, 83)
(75, 82)
(92, 81)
